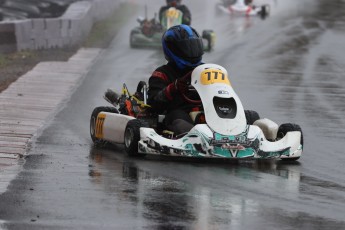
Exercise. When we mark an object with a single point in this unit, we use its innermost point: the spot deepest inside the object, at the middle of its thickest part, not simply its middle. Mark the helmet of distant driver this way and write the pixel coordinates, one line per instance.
(172, 2)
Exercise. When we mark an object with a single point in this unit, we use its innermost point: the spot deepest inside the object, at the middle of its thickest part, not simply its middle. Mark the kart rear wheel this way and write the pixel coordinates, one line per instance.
(132, 136)
(283, 130)
(265, 11)
(95, 112)
(207, 35)
(132, 39)
(251, 116)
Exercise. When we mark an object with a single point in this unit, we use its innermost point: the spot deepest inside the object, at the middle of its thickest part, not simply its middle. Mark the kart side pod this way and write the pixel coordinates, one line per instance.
(113, 127)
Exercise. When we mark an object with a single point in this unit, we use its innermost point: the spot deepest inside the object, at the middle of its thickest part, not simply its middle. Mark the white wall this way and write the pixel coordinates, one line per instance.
(68, 30)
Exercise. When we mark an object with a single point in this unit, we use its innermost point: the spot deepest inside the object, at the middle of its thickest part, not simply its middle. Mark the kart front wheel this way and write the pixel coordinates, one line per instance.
(93, 123)
(132, 136)
(283, 130)
(251, 116)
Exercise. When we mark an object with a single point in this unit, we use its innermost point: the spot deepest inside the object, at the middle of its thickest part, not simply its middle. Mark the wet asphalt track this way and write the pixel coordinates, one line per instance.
(289, 68)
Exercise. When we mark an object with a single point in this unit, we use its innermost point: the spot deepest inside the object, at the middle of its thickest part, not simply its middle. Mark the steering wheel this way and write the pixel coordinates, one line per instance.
(187, 78)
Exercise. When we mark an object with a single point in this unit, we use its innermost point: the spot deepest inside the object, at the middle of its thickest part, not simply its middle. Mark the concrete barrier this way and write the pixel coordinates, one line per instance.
(7, 37)
(68, 30)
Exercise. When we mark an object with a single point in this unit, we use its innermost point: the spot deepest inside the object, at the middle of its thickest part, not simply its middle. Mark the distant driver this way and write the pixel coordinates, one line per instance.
(187, 17)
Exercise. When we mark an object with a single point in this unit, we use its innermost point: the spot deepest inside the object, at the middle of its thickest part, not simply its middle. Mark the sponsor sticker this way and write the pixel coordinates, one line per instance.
(99, 125)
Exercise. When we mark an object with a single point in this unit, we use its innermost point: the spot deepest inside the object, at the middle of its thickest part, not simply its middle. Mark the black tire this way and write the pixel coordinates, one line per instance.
(132, 136)
(251, 116)
(95, 112)
(264, 11)
(206, 34)
(283, 130)
(141, 85)
(131, 39)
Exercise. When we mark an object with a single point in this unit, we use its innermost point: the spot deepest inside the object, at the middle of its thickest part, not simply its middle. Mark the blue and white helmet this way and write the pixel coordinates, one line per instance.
(182, 45)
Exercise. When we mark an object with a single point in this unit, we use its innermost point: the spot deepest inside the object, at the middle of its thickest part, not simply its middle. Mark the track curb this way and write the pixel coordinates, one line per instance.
(28, 103)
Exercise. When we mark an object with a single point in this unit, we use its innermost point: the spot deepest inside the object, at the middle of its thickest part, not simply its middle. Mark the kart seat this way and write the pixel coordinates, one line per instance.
(141, 92)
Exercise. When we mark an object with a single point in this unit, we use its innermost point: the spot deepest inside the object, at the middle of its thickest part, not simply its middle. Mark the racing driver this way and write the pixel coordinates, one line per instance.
(183, 49)
(187, 17)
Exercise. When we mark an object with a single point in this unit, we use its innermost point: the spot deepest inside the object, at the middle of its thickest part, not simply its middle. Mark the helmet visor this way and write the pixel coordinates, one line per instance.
(188, 49)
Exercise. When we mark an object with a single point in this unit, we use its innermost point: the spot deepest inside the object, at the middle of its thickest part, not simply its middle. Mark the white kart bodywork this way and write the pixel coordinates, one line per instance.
(111, 126)
(240, 8)
(225, 134)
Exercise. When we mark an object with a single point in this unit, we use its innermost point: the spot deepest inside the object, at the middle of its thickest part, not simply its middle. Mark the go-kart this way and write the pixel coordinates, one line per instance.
(149, 32)
(223, 129)
(243, 8)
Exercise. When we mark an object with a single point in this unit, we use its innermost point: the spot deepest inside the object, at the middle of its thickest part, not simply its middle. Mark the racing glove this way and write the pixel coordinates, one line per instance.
(179, 85)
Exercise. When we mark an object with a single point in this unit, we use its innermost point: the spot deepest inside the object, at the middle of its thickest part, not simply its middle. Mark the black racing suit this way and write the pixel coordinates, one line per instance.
(186, 18)
(170, 102)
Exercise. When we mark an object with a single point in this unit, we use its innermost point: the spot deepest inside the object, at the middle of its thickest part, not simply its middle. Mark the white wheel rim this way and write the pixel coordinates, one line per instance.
(129, 135)
(92, 126)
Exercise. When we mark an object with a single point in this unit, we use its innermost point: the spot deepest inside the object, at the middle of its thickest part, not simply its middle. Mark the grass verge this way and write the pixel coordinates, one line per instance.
(14, 65)
(104, 31)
